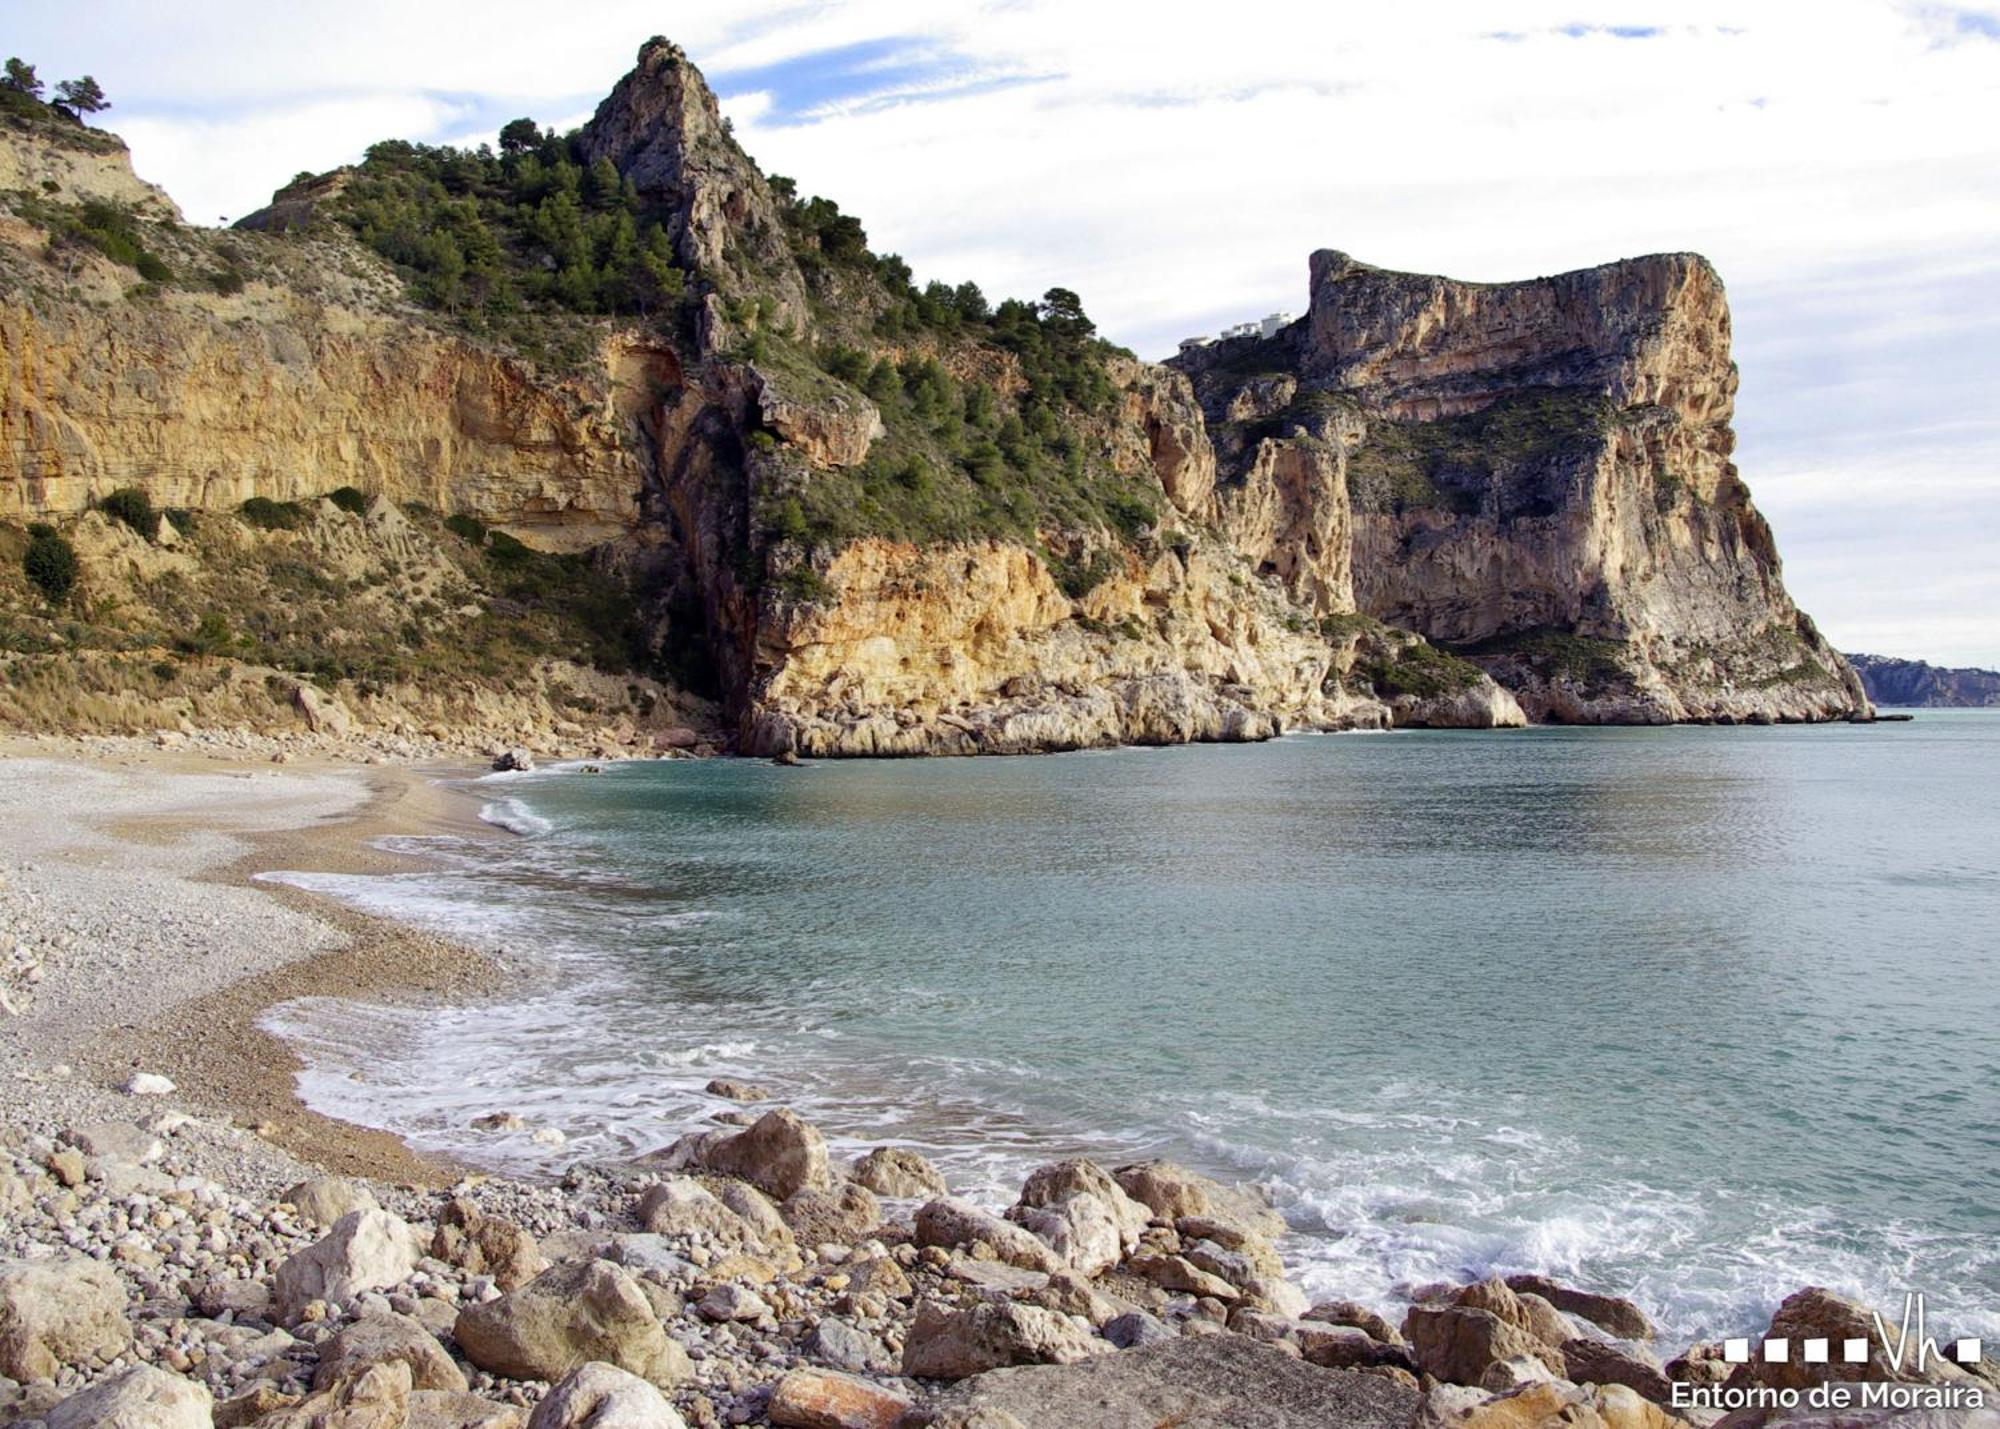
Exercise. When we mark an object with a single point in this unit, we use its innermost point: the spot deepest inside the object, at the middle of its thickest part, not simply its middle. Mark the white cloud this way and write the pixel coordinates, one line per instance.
(208, 157)
(1836, 159)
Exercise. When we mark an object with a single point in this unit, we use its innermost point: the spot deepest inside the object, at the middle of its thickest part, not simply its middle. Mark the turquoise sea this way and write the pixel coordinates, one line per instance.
(1695, 1015)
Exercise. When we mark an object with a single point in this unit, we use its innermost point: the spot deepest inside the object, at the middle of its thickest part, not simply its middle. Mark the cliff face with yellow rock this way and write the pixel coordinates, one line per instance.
(207, 401)
(1537, 475)
(1426, 503)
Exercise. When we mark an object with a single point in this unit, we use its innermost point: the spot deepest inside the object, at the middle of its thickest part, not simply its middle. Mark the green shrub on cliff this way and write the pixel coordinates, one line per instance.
(804, 584)
(100, 225)
(959, 461)
(819, 231)
(18, 80)
(1079, 575)
(268, 515)
(1419, 669)
(1452, 463)
(50, 562)
(133, 507)
(210, 636)
(351, 499)
(1589, 661)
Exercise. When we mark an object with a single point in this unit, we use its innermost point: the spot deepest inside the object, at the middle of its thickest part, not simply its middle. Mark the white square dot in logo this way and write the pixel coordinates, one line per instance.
(1777, 1351)
(1854, 1351)
(1813, 1351)
(1736, 1351)
(1967, 1351)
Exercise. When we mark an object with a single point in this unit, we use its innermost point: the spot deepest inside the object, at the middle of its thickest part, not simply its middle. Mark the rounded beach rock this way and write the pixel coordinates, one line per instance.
(570, 1316)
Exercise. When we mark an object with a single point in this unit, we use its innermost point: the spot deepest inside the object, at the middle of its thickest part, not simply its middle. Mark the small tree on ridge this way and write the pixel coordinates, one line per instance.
(20, 77)
(78, 97)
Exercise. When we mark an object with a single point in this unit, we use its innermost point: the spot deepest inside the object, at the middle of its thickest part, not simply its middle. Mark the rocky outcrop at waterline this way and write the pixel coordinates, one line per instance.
(867, 519)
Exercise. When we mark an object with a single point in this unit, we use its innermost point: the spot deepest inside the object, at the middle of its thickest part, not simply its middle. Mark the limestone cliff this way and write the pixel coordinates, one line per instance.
(882, 521)
(205, 401)
(1534, 474)
(976, 649)
(61, 158)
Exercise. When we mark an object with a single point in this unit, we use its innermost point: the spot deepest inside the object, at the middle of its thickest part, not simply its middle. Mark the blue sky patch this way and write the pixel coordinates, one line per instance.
(1578, 30)
(1981, 23)
(1616, 32)
(893, 67)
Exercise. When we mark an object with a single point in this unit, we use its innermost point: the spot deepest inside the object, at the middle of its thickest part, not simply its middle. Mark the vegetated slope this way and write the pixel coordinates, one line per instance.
(868, 516)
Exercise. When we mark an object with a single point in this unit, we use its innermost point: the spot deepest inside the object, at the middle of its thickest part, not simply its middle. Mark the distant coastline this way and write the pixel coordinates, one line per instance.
(1890, 681)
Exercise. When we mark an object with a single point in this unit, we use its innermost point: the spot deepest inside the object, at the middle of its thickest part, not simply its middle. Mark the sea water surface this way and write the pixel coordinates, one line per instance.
(1695, 1015)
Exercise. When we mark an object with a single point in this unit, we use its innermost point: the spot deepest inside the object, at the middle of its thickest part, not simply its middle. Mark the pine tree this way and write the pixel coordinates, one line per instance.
(519, 136)
(78, 97)
(20, 78)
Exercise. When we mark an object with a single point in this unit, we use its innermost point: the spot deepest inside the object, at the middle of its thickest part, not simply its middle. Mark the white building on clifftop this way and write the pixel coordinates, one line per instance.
(1267, 327)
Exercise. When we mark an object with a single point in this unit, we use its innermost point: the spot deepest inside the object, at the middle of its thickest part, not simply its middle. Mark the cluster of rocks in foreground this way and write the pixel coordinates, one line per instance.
(740, 1277)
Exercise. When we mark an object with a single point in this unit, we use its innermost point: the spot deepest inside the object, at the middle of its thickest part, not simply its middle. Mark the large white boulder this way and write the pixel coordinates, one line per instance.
(365, 1250)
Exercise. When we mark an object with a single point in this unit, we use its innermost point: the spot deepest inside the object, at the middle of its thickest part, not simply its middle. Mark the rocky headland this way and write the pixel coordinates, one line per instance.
(613, 431)
(1890, 681)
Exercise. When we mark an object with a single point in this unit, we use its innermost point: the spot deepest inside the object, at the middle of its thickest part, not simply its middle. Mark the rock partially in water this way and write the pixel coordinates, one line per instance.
(735, 1091)
(1613, 1313)
(779, 1154)
(899, 1172)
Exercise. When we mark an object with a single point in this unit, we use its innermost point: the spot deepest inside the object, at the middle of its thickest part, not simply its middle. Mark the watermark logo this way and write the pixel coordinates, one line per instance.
(1909, 1349)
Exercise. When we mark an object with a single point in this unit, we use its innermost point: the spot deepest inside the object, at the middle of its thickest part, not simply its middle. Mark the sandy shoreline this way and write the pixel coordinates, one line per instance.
(193, 834)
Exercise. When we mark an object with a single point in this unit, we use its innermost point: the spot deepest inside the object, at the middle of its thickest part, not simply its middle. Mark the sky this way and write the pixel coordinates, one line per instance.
(1838, 161)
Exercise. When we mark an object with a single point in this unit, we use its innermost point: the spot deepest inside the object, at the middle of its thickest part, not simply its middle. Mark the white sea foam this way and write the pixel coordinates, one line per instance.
(424, 900)
(515, 817)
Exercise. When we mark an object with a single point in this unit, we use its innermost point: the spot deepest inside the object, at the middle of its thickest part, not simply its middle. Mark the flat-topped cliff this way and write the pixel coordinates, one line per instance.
(876, 519)
(1537, 476)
